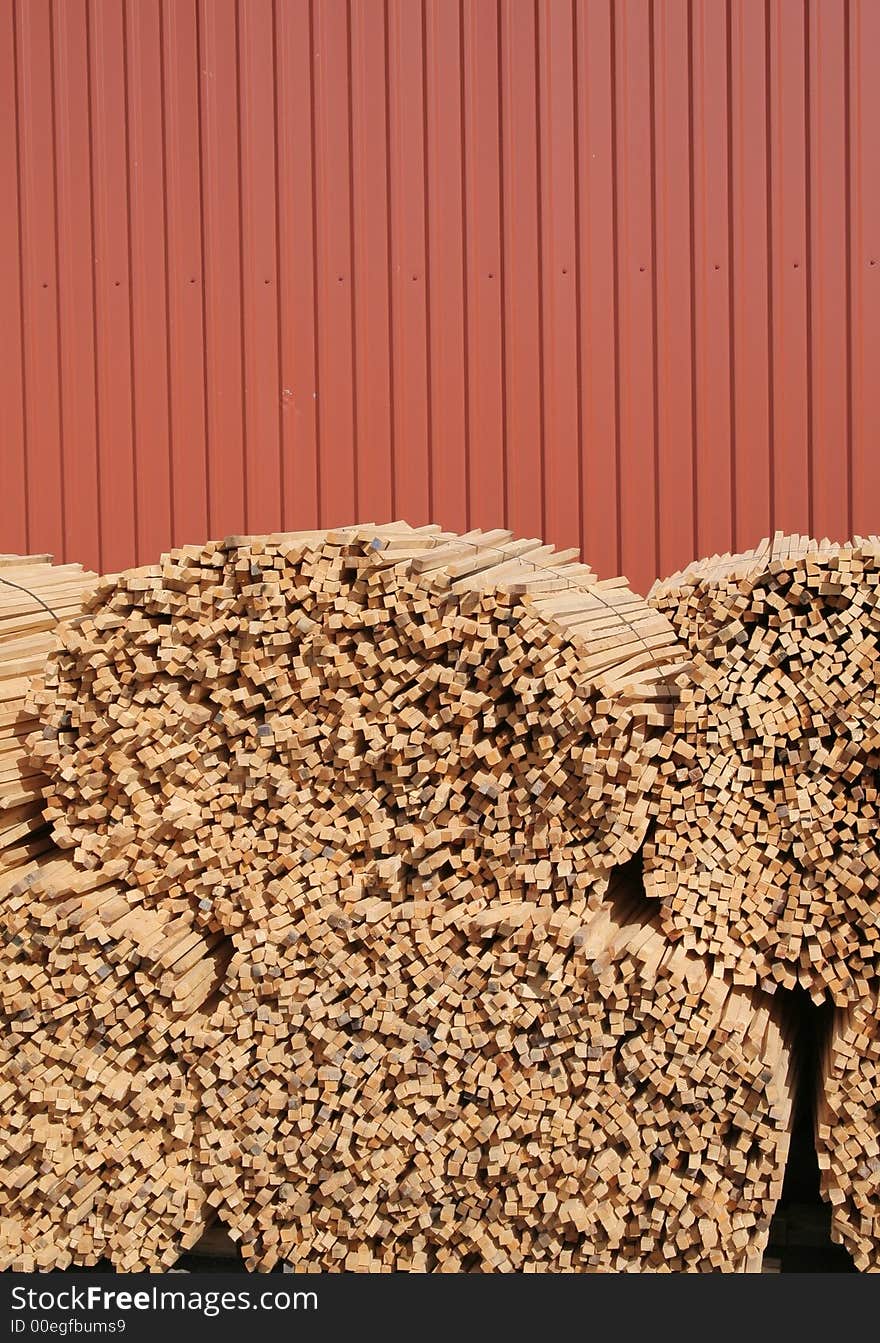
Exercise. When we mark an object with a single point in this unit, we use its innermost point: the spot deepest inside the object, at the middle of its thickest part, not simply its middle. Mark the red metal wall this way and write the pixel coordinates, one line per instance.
(604, 272)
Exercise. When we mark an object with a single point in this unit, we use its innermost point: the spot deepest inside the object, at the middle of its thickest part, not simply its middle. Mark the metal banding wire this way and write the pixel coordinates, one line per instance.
(9, 583)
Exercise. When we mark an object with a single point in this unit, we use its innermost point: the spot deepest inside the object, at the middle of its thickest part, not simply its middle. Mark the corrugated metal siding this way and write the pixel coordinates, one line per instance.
(606, 272)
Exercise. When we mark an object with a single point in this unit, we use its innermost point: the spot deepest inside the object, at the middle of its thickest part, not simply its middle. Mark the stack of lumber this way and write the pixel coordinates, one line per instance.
(35, 596)
(451, 1084)
(343, 811)
(847, 1130)
(764, 851)
(96, 1107)
(448, 1086)
(434, 713)
(700, 598)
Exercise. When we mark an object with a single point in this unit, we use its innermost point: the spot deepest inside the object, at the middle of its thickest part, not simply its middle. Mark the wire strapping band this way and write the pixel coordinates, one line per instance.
(9, 583)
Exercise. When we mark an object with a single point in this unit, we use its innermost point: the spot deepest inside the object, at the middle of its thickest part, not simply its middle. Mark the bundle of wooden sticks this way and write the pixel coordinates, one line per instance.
(448, 1086)
(338, 945)
(97, 1110)
(442, 712)
(35, 596)
(764, 853)
(847, 1130)
(339, 953)
(445, 1085)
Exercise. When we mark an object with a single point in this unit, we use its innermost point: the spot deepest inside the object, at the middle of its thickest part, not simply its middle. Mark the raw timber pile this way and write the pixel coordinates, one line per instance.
(764, 852)
(337, 951)
(847, 1130)
(448, 1084)
(437, 712)
(95, 1110)
(34, 596)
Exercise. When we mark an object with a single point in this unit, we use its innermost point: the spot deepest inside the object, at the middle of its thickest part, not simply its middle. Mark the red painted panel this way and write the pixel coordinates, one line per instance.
(220, 186)
(482, 135)
(116, 464)
(715, 468)
(792, 464)
(76, 307)
(336, 411)
(864, 280)
(446, 232)
(596, 159)
(183, 208)
(296, 237)
(559, 263)
(13, 443)
(409, 268)
(828, 354)
(635, 284)
(675, 340)
(259, 269)
(45, 505)
(645, 237)
(371, 243)
(750, 111)
(526, 506)
(146, 167)
(522, 288)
